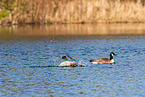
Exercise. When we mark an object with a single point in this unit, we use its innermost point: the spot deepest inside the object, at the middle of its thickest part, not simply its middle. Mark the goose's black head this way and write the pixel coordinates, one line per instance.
(112, 54)
(64, 57)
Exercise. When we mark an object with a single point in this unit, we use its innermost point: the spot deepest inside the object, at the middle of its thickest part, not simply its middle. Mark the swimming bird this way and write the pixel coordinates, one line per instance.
(104, 60)
(68, 63)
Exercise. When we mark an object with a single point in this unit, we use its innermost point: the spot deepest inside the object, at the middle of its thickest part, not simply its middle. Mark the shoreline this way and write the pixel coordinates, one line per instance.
(74, 29)
(62, 23)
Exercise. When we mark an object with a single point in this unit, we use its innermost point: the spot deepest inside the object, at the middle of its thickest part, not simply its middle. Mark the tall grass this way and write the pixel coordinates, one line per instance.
(74, 11)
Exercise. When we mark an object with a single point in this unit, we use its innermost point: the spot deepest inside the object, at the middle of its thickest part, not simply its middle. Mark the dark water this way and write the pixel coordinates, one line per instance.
(28, 66)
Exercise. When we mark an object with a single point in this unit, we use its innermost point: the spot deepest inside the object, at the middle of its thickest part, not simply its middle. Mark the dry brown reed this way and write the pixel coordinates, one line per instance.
(76, 11)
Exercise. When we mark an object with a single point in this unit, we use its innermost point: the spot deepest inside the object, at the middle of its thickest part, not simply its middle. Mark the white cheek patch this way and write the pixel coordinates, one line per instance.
(112, 54)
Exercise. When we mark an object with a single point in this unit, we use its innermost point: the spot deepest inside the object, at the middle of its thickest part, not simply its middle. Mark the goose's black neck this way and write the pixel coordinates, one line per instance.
(111, 57)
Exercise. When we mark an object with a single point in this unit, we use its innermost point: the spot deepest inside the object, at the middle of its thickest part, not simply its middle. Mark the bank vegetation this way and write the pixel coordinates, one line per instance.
(71, 11)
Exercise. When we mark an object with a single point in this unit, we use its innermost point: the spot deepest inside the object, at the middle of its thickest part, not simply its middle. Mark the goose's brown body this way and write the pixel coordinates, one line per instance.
(104, 60)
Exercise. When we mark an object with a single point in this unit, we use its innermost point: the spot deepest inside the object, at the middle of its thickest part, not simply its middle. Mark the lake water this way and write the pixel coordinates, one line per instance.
(30, 55)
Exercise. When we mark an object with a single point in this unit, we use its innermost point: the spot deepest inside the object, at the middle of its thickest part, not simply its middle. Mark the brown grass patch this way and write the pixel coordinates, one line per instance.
(76, 11)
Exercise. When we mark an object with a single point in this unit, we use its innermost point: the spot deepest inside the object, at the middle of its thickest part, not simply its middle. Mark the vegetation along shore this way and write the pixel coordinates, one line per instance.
(71, 11)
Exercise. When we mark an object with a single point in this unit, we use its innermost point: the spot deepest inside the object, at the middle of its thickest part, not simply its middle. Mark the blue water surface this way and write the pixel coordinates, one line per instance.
(28, 66)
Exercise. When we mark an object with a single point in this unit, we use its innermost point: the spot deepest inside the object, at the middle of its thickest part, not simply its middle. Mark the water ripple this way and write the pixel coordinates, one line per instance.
(30, 68)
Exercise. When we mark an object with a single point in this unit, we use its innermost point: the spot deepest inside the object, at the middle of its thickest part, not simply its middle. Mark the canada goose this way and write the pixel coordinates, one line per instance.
(104, 60)
(68, 63)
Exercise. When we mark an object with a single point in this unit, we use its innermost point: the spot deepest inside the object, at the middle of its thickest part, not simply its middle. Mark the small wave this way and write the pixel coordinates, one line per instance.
(53, 66)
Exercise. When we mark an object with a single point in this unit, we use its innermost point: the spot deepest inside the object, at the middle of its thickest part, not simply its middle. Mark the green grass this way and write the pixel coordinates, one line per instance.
(3, 14)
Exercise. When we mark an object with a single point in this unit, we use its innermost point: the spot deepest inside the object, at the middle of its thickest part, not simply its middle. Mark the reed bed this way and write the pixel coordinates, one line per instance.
(74, 11)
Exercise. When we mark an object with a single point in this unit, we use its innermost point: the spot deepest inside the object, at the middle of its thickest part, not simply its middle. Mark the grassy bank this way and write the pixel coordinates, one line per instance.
(71, 11)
